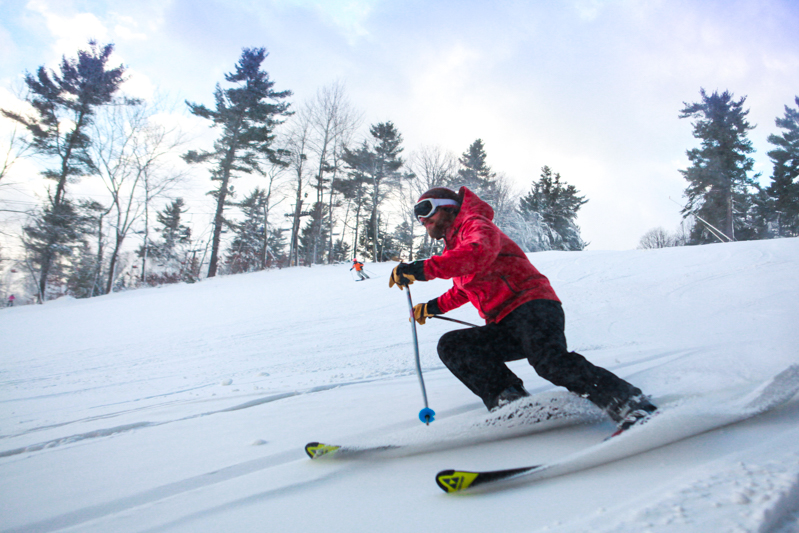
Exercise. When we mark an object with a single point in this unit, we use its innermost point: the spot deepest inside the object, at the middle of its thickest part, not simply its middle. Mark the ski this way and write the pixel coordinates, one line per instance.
(458, 480)
(316, 450)
(673, 423)
(535, 414)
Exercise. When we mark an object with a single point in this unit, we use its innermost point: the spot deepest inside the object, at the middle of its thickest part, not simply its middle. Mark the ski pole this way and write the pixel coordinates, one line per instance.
(426, 415)
(455, 320)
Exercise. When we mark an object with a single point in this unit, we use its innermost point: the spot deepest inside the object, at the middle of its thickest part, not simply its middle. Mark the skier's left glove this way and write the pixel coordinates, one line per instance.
(421, 312)
(406, 273)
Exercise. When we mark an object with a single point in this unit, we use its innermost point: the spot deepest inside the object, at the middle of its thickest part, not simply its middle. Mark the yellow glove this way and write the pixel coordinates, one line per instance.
(405, 274)
(421, 312)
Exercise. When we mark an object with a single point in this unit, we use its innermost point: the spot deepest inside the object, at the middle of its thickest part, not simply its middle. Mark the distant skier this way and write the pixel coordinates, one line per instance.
(358, 266)
(524, 317)
(11, 301)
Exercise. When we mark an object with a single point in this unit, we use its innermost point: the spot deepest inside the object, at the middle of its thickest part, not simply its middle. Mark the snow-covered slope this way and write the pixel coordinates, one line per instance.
(186, 408)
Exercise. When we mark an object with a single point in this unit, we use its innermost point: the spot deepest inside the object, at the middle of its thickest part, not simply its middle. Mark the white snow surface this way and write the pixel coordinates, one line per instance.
(186, 408)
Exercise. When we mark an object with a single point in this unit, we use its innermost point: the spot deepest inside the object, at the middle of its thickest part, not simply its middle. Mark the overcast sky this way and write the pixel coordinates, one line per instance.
(591, 88)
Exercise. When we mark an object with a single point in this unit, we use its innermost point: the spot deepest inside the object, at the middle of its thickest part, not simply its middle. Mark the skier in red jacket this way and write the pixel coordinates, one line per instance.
(524, 317)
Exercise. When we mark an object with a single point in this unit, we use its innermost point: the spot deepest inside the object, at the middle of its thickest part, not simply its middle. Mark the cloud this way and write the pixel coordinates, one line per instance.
(592, 88)
(138, 85)
(8, 47)
(349, 15)
(12, 102)
(128, 34)
(71, 32)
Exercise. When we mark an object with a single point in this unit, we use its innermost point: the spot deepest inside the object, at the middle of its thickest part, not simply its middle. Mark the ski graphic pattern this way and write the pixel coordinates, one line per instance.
(671, 425)
(317, 449)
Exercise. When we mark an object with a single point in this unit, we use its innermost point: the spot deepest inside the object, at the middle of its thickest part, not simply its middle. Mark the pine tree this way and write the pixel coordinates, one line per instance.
(246, 251)
(341, 251)
(171, 252)
(378, 242)
(373, 171)
(85, 278)
(719, 188)
(387, 150)
(404, 237)
(83, 281)
(173, 231)
(247, 115)
(52, 236)
(65, 104)
(551, 208)
(276, 247)
(784, 188)
(359, 164)
(475, 172)
(314, 232)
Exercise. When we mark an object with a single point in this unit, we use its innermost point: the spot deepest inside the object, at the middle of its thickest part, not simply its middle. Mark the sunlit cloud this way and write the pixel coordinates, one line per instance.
(70, 32)
(592, 88)
(138, 85)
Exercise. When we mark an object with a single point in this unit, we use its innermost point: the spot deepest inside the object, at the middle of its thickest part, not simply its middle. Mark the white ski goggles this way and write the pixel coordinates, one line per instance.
(427, 207)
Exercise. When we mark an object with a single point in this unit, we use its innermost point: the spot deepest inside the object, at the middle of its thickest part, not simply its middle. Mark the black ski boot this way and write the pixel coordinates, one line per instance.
(511, 394)
(631, 412)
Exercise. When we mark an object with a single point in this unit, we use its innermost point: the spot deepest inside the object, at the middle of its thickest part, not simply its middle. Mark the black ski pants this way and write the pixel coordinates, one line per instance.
(533, 331)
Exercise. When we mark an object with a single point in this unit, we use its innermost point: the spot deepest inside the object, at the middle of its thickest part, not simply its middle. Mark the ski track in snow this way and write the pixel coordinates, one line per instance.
(156, 494)
(199, 413)
(106, 432)
(646, 362)
(758, 496)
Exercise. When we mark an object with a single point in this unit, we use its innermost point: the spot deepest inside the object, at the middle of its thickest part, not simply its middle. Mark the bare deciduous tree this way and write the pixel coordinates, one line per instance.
(655, 238)
(14, 149)
(660, 238)
(333, 122)
(275, 182)
(297, 145)
(431, 167)
(153, 157)
(131, 153)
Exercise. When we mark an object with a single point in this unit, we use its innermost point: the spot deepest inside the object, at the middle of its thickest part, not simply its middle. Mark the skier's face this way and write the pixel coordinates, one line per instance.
(437, 224)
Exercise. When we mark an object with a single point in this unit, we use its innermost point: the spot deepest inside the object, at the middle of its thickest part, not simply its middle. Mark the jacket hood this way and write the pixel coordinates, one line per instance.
(472, 205)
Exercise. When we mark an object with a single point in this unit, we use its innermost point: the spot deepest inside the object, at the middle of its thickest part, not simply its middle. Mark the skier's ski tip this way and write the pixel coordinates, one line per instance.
(454, 480)
(459, 480)
(317, 449)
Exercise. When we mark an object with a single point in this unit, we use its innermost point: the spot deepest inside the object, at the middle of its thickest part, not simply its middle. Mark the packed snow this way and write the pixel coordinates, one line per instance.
(186, 408)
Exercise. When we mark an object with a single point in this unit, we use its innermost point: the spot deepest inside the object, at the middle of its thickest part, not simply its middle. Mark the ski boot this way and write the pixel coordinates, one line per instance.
(509, 395)
(631, 412)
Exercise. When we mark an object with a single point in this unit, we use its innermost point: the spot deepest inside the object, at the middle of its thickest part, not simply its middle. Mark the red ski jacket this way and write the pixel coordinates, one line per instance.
(487, 268)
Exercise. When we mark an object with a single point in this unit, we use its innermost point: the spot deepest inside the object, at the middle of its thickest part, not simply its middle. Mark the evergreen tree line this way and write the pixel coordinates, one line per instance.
(725, 201)
(325, 196)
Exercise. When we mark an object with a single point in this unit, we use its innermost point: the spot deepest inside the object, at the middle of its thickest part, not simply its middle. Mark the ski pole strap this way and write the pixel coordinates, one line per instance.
(455, 320)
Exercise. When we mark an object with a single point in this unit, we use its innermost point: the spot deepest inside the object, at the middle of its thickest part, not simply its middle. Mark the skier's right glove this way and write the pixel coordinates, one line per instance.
(421, 312)
(406, 273)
